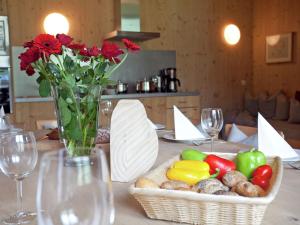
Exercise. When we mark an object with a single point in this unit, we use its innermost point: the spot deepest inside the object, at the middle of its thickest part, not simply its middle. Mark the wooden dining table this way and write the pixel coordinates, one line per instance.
(284, 210)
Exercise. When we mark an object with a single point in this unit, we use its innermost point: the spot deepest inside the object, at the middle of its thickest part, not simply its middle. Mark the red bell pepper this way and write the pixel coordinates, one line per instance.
(264, 171)
(217, 163)
(261, 176)
(262, 182)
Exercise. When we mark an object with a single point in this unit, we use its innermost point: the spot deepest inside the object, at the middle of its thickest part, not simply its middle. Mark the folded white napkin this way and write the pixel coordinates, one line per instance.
(271, 143)
(3, 120)
(184, 129)
(2, 113)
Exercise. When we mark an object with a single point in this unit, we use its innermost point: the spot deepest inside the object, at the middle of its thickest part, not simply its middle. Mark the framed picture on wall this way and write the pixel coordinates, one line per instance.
(279, 48)
(4, 42)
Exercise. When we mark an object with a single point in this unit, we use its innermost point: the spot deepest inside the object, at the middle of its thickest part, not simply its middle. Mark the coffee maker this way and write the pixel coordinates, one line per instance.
(164, 80)
(169, 81)
(173, 81)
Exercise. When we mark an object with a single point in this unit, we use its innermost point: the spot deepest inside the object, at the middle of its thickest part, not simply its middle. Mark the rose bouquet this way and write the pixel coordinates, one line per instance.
(74, 74)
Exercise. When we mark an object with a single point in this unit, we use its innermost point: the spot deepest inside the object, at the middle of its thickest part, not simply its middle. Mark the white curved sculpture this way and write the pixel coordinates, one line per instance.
(133, 141)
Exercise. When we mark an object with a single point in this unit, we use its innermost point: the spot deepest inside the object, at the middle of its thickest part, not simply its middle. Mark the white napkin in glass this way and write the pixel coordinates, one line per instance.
(271, 143)
(184, 129)
(2, 113)
(4, 123)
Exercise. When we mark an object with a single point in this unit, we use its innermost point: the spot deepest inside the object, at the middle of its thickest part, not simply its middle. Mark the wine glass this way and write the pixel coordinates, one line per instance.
(106, 109)
(212, 122)
(18, 157)
(73, 191)
(4, 124)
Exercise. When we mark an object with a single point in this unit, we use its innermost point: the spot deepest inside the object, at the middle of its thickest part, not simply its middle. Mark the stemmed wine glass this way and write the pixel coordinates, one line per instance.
(73, 191)
(106, 109)
(212, 122)
(18, 157)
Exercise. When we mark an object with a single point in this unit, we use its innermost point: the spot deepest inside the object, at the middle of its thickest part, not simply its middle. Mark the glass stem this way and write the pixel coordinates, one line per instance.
(19, 196)
(212, 144)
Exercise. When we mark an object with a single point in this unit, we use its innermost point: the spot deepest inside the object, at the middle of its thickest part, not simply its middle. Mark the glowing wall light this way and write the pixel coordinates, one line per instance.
(232, 34)
(56, 23)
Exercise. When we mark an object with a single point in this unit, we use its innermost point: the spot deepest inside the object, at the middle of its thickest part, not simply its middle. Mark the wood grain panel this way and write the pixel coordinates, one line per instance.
(3, 7)
(275, 17)
(183, 101)
(29, 113)
(205, 63)
(89, 20)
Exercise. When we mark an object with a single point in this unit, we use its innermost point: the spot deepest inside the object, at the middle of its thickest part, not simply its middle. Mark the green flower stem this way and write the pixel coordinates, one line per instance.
(61, 67)
(118, 65)
(76, 106)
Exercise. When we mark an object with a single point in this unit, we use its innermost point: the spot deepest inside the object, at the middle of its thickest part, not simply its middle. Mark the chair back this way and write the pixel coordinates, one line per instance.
(249, 131)
(46, 124)
(245, 129)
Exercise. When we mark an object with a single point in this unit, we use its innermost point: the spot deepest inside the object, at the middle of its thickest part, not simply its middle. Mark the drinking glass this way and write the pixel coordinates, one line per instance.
(106, 109)
(212, 122)
(18, 157)
(4, 124)
(73, 191)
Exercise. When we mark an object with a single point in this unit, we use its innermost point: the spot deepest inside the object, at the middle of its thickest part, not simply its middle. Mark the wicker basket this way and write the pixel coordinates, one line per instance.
(195, 208)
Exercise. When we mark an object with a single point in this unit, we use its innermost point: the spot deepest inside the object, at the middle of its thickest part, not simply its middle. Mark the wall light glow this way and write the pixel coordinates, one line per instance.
(56, 23)
(232, 34)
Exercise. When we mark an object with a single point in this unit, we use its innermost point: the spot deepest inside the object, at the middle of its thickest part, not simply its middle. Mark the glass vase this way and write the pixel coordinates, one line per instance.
(77, 112)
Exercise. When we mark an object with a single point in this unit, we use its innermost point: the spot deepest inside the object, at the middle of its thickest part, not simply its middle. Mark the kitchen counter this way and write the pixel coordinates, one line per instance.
(119, 96)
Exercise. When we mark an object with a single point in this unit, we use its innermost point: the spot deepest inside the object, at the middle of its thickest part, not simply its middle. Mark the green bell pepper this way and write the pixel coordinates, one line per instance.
(247, 162)
(192, 154)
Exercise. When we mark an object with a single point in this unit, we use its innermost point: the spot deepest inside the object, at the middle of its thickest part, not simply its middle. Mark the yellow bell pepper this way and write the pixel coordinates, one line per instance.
(189, 171)
(190, 177)
(192, 165)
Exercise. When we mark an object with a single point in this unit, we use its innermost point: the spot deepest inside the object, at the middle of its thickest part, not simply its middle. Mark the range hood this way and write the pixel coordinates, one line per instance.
(128, 22)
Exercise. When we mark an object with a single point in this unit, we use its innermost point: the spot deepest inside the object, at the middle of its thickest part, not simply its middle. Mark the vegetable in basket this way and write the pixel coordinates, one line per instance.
(192, 154)
(218, 163)
(261, 176)
(248, 161)
(189, 171)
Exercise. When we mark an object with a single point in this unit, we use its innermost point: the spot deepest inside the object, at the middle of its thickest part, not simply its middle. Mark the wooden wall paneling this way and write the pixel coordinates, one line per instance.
(182, 101)
(275, 17)
(147, 102)
(89, 20)
(158, 114)
(204, 62)
(29, 113)
(3, 7)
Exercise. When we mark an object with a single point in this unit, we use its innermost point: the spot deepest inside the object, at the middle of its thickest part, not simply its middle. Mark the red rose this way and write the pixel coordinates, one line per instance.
(47, 44)
(110, 51)
(84, 52)
(28, 44)
(30, 71)
(23, 65)
(116, 60)
(64, 39)
(76, 46)
(93, 51)
(130, 45)
(31, 55)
